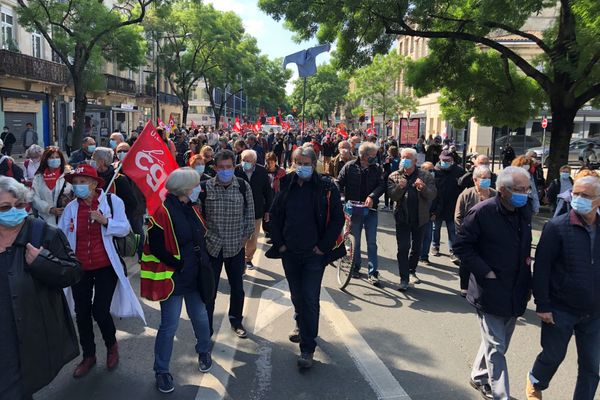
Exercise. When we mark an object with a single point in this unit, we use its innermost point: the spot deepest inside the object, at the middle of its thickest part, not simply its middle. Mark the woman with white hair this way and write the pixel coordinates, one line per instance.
(36, 262)
(482, 178)
(173, 262)
(33, 157)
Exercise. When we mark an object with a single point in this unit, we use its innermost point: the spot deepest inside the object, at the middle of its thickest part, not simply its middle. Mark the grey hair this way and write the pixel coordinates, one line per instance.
(481, 172)
(366, 148)
(34, 149)
(105, 154)
(305, 152)
(182, 180)
(505, 178)
(250, 153)
(118, 135)
(409, 150)
(17, 189)
(590, 180)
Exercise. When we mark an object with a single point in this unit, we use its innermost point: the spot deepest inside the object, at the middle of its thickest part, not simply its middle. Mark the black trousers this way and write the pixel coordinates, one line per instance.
(409, 240)
(92, 296)
(234, 267)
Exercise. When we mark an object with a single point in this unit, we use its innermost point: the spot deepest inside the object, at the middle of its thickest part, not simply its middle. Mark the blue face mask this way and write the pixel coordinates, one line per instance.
(225, 175)
(54, 162)
(247, 166)
(372, 160)
(200, 169)
(581, 205)
(93, 164)
(304, 171)
(565, 176)
(518, 199)
(112, 143)
(81, 191)
(13, 217)
(485, 183)
(91, 148)
(121, 155)
(444, 164)
(195, 194)
(406, 163)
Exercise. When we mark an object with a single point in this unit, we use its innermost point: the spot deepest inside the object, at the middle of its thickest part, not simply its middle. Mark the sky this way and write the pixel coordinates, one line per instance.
(273, 39)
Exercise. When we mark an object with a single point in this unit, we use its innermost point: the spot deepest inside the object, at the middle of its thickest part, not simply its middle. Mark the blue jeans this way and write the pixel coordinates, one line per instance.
(437, 231)
(369, 222)
(555, 340)
(304, 273)
(427, 236)
(170, 311)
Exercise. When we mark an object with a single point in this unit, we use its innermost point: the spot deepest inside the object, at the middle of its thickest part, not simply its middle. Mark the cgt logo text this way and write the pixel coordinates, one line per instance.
(149, 161)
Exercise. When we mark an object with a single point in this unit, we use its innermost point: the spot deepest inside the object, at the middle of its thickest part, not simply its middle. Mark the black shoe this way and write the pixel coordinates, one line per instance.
(294, 335)
(204, 362)
(425, 261)
(164, 382)
(374, 280)
(485, 389)
(454, 259)
(240, 331)
(403, 286)
(356, 274)
(305, 360)
(436, 252)
(270, 241)
(415, 278)
(250, 266)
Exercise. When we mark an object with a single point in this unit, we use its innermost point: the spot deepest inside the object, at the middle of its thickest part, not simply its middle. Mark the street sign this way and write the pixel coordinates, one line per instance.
(544, 123)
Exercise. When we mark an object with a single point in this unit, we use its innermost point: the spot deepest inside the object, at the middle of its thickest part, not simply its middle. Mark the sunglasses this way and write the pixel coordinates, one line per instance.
(6, 208)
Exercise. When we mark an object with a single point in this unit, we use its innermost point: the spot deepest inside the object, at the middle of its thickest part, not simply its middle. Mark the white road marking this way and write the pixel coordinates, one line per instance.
(274, 302)
(370, 366)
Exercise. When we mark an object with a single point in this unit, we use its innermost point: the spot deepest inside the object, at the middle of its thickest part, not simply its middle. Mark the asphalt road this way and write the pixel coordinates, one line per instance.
(375, 343)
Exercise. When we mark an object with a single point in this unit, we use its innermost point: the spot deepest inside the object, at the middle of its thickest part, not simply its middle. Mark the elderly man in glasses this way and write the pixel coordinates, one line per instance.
(494, 245)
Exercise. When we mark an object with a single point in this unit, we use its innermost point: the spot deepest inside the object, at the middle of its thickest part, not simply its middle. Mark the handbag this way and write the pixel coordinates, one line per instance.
(126, 246)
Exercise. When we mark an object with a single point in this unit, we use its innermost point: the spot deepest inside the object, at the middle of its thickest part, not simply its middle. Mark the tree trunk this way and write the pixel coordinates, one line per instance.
(186, 107)
(80, 107)
(562, 130)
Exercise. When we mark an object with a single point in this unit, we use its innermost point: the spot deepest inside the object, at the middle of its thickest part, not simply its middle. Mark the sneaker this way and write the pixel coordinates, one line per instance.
(240, 331)
(403, 286)
(294, 335)
(84, 367)
(356, 274)
(463, 292)
(485, 389)
(112, 357)
(425, 261)
(204, 362)
(454, 259)
(415, 278)
(531, 392)
(164, 382)
(374, 280)
(250, 266)
(305, 360)
(436, 252)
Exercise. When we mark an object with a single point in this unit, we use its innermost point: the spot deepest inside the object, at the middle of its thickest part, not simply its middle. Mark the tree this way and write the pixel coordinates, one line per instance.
(84, 31)
(376, 86)
(569, 72)
(325, 91)
(188, 34)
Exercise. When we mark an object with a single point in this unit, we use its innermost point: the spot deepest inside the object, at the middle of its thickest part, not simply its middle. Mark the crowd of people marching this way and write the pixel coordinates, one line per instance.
(64, 221)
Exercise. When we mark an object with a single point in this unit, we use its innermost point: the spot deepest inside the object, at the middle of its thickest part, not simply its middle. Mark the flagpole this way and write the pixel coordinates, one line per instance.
(304, 108)
(117, 170)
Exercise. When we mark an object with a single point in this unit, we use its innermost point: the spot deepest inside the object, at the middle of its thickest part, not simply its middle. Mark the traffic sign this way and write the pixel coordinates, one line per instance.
(544, 123)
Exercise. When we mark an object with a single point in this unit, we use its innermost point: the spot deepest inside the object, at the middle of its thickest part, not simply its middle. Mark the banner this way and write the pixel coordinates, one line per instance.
(237, 126)
(409, 130)
(148, 163)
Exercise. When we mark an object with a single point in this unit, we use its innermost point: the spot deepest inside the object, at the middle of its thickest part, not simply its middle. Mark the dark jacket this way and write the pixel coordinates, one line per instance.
(262, 193)
(78, 157)
(336, 165)
(326, 196)
(17, 172)
(489, 241)
(122, 187)
(433, 153)
(260, 152)
(349, 182)
(566, 274)
(425, 196)
(44, 326)
(446, 182)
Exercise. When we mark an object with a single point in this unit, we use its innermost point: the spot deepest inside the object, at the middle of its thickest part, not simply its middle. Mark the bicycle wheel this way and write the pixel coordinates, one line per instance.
(344, 264)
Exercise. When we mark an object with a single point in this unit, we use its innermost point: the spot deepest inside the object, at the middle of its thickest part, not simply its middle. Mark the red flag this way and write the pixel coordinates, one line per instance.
(373, 125)
(148, 163)
(237, 126)
(272, 121)
(171, 121)
(194, 126)
(280, 117)
(257, 126)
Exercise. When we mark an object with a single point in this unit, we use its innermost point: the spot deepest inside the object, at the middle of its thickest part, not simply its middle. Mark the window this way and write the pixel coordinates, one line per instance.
(7, 36)
(36, 44)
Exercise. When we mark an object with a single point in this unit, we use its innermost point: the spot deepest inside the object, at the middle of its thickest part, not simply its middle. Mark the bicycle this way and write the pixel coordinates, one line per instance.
(344, 265)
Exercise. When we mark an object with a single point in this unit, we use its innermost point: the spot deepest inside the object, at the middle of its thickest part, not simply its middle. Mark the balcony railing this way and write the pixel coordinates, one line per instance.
(118, 84)
(23, 66)
(168, 98)
(146, 91)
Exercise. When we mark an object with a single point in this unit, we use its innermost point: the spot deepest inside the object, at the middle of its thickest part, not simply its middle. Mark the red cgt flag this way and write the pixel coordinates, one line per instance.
(238, 125)
(148, 163)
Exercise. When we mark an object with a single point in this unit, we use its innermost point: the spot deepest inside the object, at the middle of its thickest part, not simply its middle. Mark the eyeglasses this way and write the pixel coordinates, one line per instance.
(7, 207)
(520, 190)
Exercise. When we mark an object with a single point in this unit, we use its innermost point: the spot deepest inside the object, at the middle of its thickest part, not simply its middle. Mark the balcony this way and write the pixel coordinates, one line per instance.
(120, 85)
(146, 91)
(168, 98)
(35, 69)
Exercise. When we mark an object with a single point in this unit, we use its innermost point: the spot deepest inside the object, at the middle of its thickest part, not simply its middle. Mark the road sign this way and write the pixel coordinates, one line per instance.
(544, 123)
